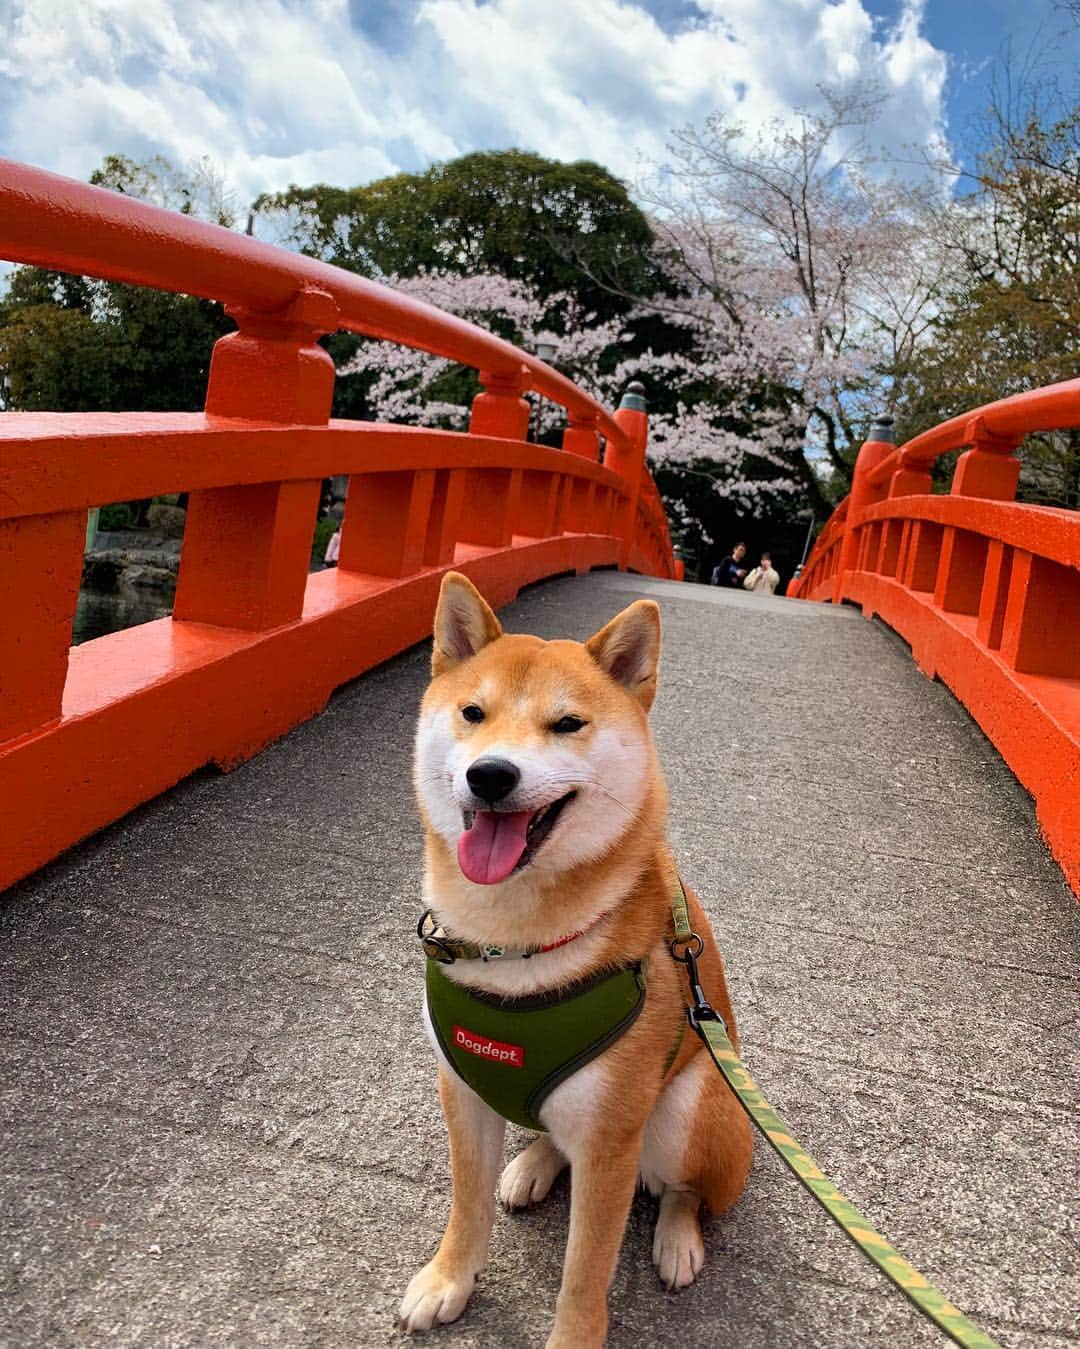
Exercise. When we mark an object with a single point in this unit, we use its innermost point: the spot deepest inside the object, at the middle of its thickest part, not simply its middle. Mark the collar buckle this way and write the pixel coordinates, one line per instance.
(432, 939)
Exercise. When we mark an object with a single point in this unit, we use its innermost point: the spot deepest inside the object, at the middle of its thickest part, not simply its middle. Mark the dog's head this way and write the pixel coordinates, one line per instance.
(534, 757)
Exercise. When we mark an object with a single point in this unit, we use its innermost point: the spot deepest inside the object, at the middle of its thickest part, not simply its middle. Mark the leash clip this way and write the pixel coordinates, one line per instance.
(434, 947)
(686, 951)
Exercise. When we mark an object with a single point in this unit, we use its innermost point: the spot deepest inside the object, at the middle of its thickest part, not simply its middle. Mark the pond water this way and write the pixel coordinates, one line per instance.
(96, 614)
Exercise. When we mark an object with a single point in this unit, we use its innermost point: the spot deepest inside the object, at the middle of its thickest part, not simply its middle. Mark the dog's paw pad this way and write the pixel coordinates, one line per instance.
(433, 1299)
(529, 1177)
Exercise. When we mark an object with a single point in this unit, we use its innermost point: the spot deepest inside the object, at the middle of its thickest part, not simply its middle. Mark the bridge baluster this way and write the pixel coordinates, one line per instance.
(908, 480)
(537, 503)
(385, 530)
(40, 572)
(864, 493)
(1039, 624)
(447, 498)
(923, 556)
(491, 494)
(995, 594)
(579, 506)
(629, 462)
(247, 548)
(499, 409)
(581, 437)
(988, 470)
(490, 507)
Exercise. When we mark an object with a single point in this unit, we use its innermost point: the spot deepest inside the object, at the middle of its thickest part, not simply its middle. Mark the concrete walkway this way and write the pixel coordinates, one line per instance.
(220, 1122)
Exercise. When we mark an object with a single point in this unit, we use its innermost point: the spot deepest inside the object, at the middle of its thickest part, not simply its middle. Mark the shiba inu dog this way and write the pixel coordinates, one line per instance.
(552, 996)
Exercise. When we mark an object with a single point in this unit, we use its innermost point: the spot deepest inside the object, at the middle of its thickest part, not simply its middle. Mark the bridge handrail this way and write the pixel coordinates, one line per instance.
(997, 427)
(1049, 532)
(56, 222)
(986, 590)
(256, 644)
(56, 461)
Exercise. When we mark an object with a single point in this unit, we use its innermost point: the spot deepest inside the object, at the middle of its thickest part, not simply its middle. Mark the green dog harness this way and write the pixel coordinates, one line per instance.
(514, 1052)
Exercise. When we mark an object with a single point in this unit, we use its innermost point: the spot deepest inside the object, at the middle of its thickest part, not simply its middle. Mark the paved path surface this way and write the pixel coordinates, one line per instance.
(220, 1124)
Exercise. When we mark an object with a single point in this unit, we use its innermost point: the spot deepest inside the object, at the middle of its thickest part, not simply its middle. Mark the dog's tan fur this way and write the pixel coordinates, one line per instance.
(621, 1118)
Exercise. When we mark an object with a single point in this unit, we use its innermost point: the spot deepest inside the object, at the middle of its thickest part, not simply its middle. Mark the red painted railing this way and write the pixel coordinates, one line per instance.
(985, 590)
(255, 644)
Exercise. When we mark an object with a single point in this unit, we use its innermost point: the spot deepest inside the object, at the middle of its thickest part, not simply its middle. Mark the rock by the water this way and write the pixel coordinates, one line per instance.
(149, 578)
(101, 572)
(167, 520)
(107, 570)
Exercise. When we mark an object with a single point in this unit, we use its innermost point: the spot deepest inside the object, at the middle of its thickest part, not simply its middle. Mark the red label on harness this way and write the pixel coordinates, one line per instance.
(513, 1056)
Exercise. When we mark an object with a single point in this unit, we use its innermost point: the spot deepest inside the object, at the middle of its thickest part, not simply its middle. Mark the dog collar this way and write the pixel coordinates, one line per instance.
(440, 946)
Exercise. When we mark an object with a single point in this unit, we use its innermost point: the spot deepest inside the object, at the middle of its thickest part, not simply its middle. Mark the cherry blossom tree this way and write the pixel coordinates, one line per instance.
(413, 386)
(811, 259)
(698, 384)
(793, 277)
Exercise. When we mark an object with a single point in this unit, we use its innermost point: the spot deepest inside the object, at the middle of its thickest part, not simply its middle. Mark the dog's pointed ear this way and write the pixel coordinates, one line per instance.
(628, 649)
(464, 623)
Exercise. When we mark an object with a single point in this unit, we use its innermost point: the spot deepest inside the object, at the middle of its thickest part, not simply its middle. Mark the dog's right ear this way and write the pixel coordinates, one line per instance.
(464, 623)
(628, 649)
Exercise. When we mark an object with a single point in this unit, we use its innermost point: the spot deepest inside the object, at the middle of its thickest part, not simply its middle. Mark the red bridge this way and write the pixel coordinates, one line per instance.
(985, 590)
(221, 1120)
(256, 644)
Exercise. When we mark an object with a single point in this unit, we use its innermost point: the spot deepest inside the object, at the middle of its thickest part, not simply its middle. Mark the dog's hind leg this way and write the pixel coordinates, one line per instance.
(529, 1177)
(697, 1149)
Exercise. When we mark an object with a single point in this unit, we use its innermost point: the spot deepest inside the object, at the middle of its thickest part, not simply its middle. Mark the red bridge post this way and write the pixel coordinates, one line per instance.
(864, 492)
(629, 463)
(489, 503)
(581, 437)
(246, 548)
(40, 573)
(989, 470)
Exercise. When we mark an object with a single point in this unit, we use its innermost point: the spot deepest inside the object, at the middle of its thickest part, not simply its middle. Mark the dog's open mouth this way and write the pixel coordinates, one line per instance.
(496, 843)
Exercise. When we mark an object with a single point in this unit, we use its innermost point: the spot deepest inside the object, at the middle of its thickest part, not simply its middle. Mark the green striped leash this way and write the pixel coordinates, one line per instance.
(709, 1025)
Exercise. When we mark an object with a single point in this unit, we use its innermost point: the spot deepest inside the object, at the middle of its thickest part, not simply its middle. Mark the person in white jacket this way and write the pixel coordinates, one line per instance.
(763, 580)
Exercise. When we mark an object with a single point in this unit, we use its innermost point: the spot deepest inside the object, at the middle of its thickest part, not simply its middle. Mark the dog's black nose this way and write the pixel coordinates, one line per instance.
(492, 779)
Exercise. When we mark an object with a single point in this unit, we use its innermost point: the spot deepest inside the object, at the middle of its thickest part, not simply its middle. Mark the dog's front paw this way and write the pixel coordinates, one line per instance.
(433, 1298)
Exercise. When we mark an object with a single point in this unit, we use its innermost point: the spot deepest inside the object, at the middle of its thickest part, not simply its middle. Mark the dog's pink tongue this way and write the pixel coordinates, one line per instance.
(492, 848)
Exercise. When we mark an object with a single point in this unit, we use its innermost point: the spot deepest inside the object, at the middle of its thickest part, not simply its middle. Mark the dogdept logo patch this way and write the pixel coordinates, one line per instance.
(512, 1056)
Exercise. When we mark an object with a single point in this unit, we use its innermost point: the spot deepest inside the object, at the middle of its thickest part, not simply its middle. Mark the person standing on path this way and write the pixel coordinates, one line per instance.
(728, 572)
(764, 579)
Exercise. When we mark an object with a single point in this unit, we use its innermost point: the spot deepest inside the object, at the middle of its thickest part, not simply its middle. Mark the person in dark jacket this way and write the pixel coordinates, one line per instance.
(728, 571)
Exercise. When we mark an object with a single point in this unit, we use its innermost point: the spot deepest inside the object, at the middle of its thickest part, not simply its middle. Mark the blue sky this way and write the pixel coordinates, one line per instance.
(280, 91)
(976, 34)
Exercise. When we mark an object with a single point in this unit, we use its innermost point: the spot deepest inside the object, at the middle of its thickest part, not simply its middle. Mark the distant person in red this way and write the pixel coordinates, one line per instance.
(729, 571)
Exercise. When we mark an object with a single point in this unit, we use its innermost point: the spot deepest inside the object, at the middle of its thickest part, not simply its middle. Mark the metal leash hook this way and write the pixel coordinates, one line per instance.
(702, 1010)
(427, 931)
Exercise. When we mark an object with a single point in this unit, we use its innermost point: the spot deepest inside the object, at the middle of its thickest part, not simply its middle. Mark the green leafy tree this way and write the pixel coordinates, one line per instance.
(556, 226)
(1010, 321)
(53, 358)
(76, 344)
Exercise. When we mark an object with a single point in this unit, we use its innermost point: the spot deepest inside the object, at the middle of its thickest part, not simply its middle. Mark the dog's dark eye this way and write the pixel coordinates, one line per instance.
(567, 725)
(472, 712)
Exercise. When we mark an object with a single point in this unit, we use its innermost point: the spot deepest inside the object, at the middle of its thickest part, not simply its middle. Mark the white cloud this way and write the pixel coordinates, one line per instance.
(280, 91)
